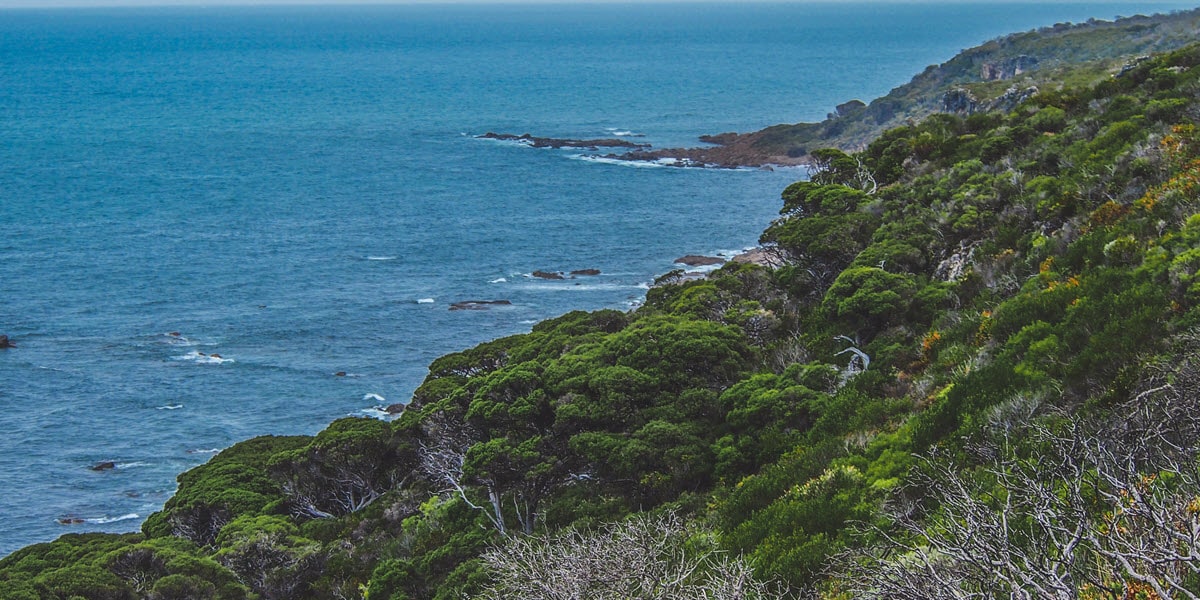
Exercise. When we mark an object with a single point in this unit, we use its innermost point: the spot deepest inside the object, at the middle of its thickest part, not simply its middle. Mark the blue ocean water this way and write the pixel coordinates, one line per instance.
(298, 191)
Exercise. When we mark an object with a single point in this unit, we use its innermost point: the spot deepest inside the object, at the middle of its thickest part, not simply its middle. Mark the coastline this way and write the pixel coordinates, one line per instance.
(729, 154)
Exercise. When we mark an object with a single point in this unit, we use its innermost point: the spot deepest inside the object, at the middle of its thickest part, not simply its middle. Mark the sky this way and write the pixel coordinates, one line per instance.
(105, 3)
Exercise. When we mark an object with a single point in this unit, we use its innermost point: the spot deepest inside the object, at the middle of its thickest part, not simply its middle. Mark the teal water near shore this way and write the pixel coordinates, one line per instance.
(297, 193)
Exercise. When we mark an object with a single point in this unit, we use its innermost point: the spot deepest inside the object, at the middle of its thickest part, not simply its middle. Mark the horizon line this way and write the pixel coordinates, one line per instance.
(64, 4)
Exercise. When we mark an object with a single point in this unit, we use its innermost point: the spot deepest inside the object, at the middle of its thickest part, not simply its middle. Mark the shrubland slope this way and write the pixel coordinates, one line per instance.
(974, 376)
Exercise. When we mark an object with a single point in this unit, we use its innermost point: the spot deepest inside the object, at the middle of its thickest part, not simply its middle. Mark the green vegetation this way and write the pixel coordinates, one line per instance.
(983, 344)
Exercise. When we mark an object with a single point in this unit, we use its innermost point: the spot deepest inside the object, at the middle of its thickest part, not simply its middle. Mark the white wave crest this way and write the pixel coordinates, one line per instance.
(170, 407)
(103, 520)
(177, 339)
(426, 301)
(572, 286)
(382, 257)
(640, 164)
(374, 397)
(499, 280)
(131, 465)
(204, 451)
(377, 413)
(623, 132)
(204, 359)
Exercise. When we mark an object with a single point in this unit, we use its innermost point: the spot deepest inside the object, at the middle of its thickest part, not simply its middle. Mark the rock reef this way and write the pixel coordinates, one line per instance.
(545, 142)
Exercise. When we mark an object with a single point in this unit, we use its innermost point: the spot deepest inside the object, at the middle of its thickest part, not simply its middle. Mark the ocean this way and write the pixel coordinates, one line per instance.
(217, 223)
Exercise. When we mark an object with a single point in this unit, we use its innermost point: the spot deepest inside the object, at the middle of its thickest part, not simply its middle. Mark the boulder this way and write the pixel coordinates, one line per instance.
(847, 107)
(6, 343)
(694, 260)
(394, 409)
(959, 101)
(104, 466)
(770, 258)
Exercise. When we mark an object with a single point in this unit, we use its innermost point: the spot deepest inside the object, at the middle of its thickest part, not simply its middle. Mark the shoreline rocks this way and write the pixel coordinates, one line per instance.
(696, 260)
(728, 151)
(763, 257)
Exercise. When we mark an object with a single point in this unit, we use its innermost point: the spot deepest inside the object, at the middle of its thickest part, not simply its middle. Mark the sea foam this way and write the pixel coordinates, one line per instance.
(204, 359)
(103, 520)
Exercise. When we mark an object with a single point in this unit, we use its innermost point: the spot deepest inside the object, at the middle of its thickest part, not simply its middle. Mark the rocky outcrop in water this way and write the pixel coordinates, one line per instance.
(547, 275)
(6, 343)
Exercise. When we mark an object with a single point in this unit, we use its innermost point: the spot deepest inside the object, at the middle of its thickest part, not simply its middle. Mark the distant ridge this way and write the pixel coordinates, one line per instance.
(995, 75)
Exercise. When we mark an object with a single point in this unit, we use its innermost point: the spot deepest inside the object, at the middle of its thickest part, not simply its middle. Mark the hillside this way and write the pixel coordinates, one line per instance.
(995, 75)
(974, 376)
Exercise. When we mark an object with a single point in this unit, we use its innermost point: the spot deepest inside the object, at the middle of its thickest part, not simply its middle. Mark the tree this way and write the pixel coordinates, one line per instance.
(444, 460)
(345, 468)
(642, 558)
(867, 299)
(270, 556)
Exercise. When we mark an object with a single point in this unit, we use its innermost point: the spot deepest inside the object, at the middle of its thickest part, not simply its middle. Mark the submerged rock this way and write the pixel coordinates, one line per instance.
(6, 343)
(586, 272)
(478, 304)
(104, 466)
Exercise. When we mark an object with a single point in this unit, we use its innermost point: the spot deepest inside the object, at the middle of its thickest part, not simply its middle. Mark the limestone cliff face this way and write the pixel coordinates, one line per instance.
(1007, 68)
(960, 101)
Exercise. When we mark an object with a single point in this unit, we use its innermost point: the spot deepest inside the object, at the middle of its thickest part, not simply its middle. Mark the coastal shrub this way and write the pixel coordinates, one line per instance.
(343, 469)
